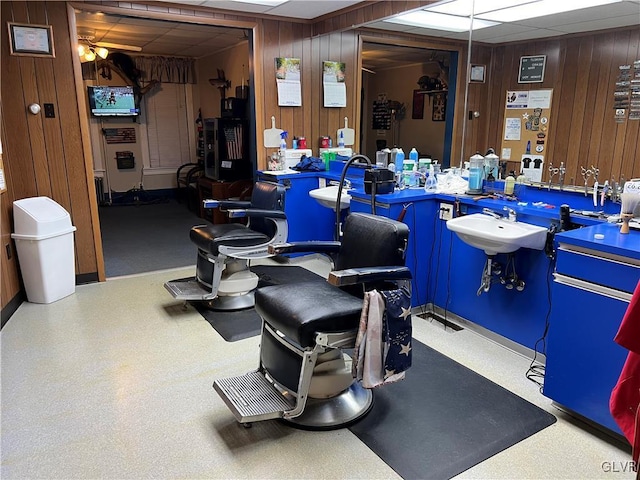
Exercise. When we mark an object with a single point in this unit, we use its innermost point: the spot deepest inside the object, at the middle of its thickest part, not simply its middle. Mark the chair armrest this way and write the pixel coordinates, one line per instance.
(226, 204)
(352, 276)
(256, 213)
(305, 247)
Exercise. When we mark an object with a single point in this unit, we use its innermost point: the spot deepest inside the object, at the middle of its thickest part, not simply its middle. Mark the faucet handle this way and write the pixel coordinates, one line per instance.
(511, 212)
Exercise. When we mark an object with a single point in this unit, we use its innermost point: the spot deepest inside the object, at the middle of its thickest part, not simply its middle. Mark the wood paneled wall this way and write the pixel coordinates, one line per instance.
(48, 156)
(45, 156)
(582, 71)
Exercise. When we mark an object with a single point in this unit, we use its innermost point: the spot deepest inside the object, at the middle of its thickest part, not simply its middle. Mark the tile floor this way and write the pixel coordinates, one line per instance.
(114, 382)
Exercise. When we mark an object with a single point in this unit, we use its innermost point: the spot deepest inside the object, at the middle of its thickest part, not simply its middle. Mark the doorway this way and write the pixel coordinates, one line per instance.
(143, 226)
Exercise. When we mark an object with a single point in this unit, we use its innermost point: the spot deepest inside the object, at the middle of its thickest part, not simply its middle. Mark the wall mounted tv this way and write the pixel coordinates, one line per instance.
(112, 101)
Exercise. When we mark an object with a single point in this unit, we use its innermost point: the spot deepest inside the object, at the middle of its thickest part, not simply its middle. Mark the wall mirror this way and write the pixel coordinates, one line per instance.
(583, 49)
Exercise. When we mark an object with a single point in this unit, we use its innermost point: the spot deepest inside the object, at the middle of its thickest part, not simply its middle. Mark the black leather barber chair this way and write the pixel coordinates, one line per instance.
(304, 377)
(223, 278)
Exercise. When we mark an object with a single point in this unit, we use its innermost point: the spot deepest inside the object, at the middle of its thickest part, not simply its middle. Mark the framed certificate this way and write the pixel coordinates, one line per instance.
(31, 40)
(477, 73)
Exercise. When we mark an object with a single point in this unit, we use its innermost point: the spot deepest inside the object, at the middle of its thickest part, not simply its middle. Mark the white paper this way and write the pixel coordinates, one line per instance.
(532, 166)
(512, 129)
(289, 93)
(280, 172)
(506, 154)
(335, 94)
(540, 98)
(3, 183)
(335, 90)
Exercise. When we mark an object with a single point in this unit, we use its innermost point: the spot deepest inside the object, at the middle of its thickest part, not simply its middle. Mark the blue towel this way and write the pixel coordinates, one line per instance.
(309, 164)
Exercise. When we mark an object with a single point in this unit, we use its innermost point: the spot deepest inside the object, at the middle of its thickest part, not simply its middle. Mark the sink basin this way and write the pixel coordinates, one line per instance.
(327, 196)
(495, 235)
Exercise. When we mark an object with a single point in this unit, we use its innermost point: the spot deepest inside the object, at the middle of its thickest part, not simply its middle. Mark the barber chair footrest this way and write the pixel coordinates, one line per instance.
(253, 398)
(188, 289)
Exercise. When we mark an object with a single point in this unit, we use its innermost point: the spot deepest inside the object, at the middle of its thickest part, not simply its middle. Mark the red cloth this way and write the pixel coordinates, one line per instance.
(625, 396)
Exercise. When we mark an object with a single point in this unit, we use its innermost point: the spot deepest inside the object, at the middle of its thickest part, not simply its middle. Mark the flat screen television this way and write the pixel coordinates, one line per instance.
(112, 101)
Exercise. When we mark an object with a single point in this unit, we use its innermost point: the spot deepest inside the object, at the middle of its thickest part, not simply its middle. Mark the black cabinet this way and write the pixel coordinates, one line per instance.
(226, 149)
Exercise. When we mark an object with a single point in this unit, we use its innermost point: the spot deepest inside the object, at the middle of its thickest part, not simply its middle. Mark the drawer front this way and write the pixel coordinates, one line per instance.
(596, 267)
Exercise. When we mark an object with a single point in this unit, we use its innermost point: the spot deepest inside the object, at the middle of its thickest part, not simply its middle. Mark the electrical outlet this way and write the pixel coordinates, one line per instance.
(446, 211)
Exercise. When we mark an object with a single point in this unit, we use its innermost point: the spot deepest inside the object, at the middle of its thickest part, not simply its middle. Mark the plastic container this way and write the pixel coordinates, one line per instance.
(44, 241)
(509, 184)
(476, 173)
(413, 155)
(399, 160)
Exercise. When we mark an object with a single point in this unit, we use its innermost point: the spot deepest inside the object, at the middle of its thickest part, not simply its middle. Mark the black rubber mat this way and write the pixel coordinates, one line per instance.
(239, 324)
(444, 418)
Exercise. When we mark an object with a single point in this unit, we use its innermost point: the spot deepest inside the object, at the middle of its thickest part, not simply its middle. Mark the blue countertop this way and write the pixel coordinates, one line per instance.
(626, 245)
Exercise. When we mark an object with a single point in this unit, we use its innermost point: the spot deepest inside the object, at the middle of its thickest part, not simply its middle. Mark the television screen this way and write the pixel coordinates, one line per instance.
(112, 101)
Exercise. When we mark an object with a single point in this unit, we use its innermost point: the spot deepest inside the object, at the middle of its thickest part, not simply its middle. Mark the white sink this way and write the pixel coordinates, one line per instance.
(495, 235)
(327, 196)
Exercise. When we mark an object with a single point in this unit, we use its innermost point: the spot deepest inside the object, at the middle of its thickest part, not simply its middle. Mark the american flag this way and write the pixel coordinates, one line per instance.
(233, 139)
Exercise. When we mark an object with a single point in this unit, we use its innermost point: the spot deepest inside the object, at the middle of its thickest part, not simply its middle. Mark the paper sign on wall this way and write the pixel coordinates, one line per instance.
(335, 90)
(288, 82)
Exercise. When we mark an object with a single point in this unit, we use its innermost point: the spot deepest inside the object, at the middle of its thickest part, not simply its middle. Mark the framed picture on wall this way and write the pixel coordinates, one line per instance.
(476, 75)
(439, 107)
(417, 112)
(31, 40)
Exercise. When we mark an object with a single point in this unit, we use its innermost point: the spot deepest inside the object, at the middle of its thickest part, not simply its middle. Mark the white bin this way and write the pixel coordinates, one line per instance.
(44, 240)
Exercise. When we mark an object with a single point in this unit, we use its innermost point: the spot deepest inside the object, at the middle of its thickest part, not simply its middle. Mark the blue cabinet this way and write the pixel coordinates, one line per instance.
(307, 219)
(591, 292)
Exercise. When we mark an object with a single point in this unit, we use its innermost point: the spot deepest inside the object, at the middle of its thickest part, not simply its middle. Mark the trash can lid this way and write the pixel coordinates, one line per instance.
(39, 217)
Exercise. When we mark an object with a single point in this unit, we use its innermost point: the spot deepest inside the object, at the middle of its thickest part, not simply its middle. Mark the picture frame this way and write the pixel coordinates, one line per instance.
(477, 74)
(31, 40)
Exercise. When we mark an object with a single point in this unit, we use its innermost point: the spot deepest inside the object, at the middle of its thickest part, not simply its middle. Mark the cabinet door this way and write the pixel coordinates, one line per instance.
(583, 361)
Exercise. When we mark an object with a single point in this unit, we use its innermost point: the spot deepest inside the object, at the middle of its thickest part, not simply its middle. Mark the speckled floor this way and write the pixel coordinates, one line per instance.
(114, 382)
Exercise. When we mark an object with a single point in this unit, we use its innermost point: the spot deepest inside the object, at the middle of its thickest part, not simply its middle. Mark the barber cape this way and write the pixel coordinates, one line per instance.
(383, 345)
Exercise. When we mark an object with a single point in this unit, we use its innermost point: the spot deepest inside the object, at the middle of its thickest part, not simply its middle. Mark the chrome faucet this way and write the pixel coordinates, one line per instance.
(488, 211)
(511, 212)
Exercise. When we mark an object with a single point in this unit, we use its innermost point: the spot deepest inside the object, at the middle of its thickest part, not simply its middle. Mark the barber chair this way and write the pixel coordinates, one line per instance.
(223, 278)
(304, 376)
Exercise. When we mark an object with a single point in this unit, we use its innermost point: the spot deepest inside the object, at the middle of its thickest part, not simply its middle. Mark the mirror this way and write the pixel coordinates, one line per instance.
(583, 51)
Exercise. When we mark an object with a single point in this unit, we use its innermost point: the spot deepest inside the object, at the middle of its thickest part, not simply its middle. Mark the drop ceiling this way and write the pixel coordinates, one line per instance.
(157, 37)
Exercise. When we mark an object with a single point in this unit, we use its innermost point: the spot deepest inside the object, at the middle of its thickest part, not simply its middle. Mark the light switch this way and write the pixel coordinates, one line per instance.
(49, 112)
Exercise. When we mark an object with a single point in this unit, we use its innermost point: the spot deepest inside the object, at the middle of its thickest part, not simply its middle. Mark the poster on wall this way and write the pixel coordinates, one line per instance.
(288, 82)
(335, 90)
(526, 129)
(381, 113)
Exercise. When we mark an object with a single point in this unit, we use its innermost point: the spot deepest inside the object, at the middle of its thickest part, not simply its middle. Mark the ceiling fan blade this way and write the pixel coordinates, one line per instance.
(117, 46)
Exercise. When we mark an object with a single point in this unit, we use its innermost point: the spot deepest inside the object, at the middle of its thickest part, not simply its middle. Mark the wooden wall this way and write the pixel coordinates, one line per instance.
(49, 156)
(45, 156)
(582, 72)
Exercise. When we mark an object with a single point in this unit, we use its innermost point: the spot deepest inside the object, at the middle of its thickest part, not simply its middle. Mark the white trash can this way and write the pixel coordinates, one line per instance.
(44, 240)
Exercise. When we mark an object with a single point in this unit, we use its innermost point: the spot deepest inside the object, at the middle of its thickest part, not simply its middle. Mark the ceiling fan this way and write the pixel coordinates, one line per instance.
(89, 50)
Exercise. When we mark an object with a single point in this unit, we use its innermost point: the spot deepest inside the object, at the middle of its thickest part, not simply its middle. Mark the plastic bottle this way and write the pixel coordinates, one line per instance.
(521, 178)
(413, 155)
(399, 166)
(341, 140)
(431, 183)
(283, 150)
(509, 183)
(399, 160)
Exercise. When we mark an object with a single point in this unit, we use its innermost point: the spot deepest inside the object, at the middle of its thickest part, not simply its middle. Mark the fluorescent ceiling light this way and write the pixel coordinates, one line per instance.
(439, 21)
(266, 3)
(541, 8)
(464, 7)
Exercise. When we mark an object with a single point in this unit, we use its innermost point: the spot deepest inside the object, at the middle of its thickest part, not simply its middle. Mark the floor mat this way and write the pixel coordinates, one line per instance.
(444, 418)
(239, 324)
